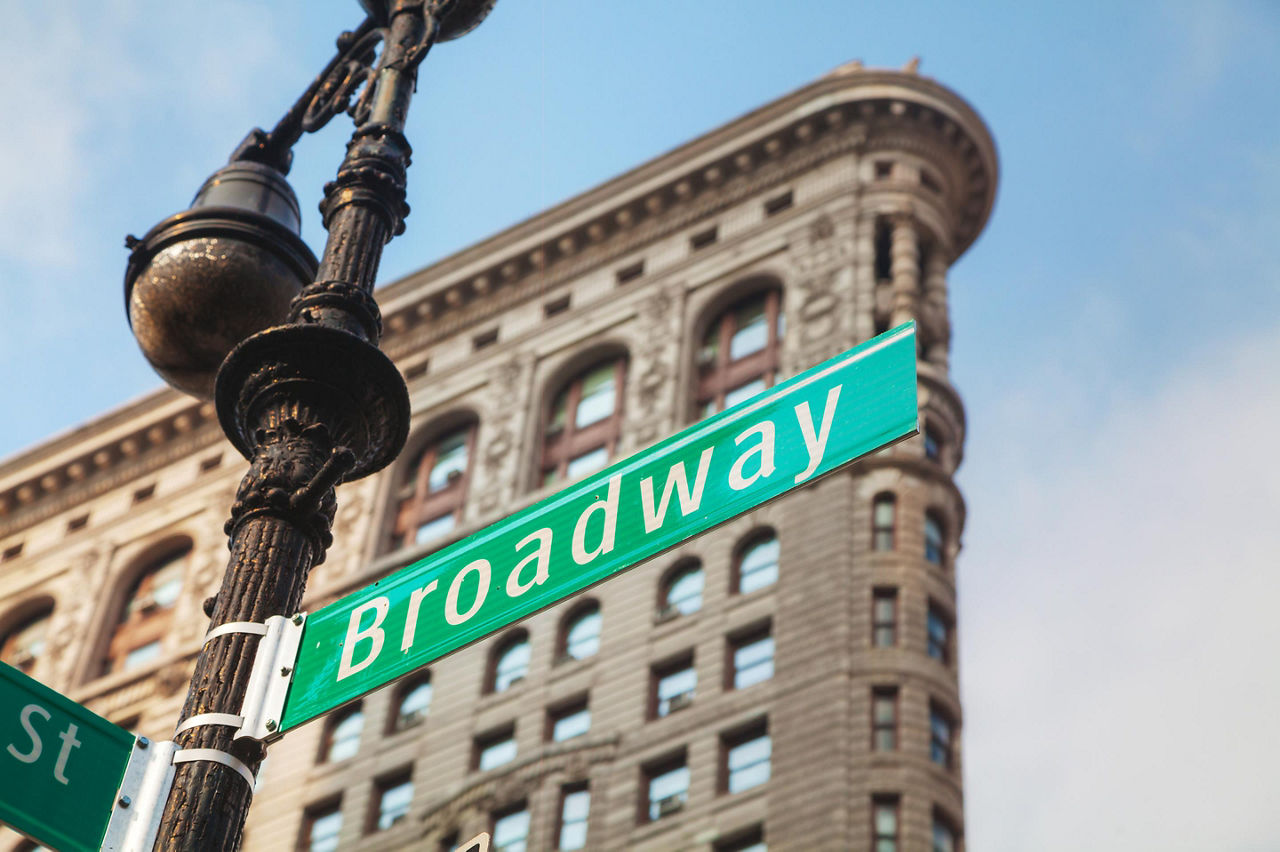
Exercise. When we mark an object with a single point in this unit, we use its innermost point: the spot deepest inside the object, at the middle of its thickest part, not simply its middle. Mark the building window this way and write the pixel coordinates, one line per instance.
(884, 516)
(884, 718)
(674, 685)
(682, 593)
(580, 636)
(932, 445)
(944, 834)
(434, 489)
(751, 658)
(510, 662)
(414, 701)
(342, 736)
(584, 423)
(778, 203)
(884, 617)
(630, 273)
(739, 354)
(147, 614)
(932, 538)
(568, 721)
(883, 251)
(24, 644)
(511, 830)
(746, 761)
(884, 824)
(884, 168)
(394, 797)
(702, 239)
(575, 805)
(941, 729)
(758, 565)
(668, 785)
(751, 840)
(939, 627)
(496, 748)
(320, 828)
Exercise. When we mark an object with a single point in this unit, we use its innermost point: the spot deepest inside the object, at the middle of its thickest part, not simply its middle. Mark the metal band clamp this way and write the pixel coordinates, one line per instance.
(203, 719)
(251, 627)
(213, 755)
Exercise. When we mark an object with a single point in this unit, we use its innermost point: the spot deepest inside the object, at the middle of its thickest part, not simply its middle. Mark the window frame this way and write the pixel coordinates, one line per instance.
(667, 608)
(886, 800)
(666, 669)
(335, 721)
(651, 772)
(933, 518)
(880, 529)
(892, 694)
(946, 746)
(39, 613)
(579, 613)
(729, 742)
(505, 813)
(410, 686)
(132, 631)
(416, 504)
(381, 787)
(714, 379)
(500, 649)
(740, 640)
(557, 449)
(748, 544)
(936, 611)
(881, 594)
(483, 742)
(567, 710)
(567, 790)
(312, 814)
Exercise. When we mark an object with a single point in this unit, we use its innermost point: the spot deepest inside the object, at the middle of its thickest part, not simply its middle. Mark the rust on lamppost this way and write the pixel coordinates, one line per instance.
(302, 390)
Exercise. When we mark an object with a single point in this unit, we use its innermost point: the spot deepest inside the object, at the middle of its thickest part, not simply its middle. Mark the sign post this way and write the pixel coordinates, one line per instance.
(783, 438)
(60, 765)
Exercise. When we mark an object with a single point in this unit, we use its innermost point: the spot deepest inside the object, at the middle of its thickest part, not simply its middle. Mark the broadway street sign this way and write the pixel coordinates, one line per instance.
(60, 765)
(713, 471)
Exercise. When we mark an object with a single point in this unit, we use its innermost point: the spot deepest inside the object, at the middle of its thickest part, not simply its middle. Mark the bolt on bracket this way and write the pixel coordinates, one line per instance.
(139, 803)
(269, 681)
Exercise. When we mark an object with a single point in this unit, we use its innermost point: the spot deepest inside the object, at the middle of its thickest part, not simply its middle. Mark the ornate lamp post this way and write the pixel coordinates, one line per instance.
(226, 300)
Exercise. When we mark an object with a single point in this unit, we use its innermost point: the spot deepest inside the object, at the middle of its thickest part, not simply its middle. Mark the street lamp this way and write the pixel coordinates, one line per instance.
(227, 301)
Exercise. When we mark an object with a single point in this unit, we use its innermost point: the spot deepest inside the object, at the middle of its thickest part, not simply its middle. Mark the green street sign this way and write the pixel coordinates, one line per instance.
(60, 765)
(726, 465)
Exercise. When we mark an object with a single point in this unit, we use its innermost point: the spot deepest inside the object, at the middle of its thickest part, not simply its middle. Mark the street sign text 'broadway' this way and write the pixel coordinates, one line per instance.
(701, 477)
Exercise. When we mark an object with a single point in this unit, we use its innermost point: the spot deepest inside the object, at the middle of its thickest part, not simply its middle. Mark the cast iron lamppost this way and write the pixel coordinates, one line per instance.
(227, 301)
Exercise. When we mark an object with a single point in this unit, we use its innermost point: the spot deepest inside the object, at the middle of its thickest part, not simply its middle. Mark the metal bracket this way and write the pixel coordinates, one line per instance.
(139, 803)
(269, 681)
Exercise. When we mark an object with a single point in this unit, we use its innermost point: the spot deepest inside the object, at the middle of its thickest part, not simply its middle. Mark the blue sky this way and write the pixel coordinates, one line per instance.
(1117, 325)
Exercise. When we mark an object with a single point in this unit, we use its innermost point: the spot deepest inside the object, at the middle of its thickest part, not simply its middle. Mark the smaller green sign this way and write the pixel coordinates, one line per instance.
(783, 438)
(60, 765)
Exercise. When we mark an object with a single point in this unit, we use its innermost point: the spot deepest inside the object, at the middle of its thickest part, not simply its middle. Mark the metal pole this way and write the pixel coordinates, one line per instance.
(310, 403)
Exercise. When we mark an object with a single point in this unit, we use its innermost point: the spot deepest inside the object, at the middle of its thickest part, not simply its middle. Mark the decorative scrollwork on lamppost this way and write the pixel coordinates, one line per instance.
(227, 301)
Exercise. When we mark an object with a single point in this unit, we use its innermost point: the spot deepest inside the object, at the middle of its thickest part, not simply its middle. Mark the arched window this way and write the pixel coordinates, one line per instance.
(738, 357)
(682, 593)
(583, 424)
(342, 736)
(412, 703)
(758, 564)
(434, 488)
(933, 538)
(22, 646)
(884, 519)
(580, 637)
(509, 663)
(146, 616)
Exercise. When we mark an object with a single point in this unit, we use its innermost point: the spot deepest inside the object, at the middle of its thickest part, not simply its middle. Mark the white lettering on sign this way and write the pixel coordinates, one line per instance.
(354, 634)
(33, 752)
(595, 530)
(609, 506)
(483, 573)
(816, 444)
(737, 481)
(690, 500)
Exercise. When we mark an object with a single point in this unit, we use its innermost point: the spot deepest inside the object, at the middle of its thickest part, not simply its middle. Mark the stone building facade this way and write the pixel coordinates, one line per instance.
(787, 679)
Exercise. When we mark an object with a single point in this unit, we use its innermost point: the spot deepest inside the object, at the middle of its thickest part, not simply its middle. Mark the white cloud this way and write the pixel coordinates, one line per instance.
(1119, 615)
